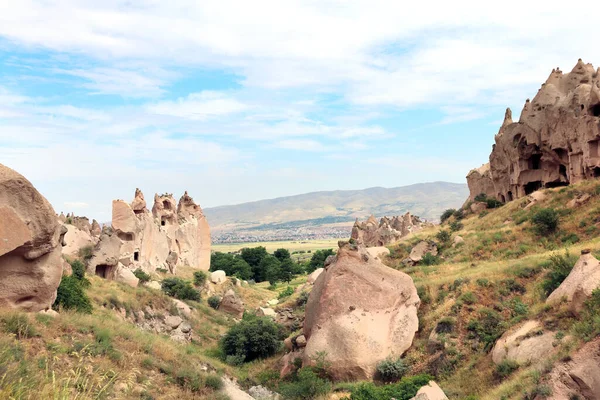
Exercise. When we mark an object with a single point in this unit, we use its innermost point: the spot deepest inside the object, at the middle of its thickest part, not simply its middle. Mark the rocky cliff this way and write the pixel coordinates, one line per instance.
(554, 143)
(371, 233)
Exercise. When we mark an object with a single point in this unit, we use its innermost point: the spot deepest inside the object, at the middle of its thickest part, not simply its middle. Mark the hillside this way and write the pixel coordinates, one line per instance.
(329, 213)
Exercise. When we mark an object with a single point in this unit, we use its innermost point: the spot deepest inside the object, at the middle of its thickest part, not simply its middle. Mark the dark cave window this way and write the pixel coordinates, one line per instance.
(136, 256)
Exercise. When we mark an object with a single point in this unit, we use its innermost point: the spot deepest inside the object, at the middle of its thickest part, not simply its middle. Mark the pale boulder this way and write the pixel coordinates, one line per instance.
(126, 276)
(218, 277)
(232, 304)
(579, 200)
(458, 240)
(314, 275)
(422, 248)
(31, 265)
(583, 279)
(478, 206)
(527, 343)
(76, 239)
(378, 252)
(359, 312)
(182, 307)
(123, 218)
(266, 312)
(173, 321)
(153, 285)
(430, 392)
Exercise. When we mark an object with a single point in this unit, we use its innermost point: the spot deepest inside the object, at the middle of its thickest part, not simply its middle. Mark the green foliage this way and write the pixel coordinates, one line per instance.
(447, 214)
(445, 325)
(19, 325)
(318, 259)
(307, 385)
(482, 282)
(406, 389)
(214, 382)
(86, 252)
(443, 236)
(288, 269)
(560, 267)
(487, 328)
(214, 301)
(424, 294)
(232, 265)
(392, 370)
(269, 269)
(589, 325)
(141, 275)
(459, 214)
(505, 369)
(493, 203)
(282, 254)
(545, 221)
(180, 289)
(287, 292)
(456, 226)
(70, 294)
(518, 308)
(254, 337)
(430, 259)
(254, 256)
(570, 238)
(302, 299)
(481, 197)
(200, 278)
(468, 298)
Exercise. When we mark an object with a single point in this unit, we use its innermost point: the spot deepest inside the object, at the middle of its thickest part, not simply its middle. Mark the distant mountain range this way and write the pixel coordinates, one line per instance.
(306, 215)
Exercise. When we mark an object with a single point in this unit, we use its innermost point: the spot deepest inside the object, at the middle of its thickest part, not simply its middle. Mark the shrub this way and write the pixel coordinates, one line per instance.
(199, 278)
(443, 236)
(214, 382)
(570, 238)
(430, 259)
(482, 282)
(287, 292)
(19, 325)
(559, 268)
(70, 294)
(456, 226)
(86, 252)
(487, 328)
(445, 325)
(589, 325)
(447, 214)
(214, 301)
(180, 289)
(406, 389)
(545, 221)
(141, 275)
(459, 214)
(302, 299)
(392, 370)
(469, 298)
(78, 271)
(481, 197)
(318, 259)
(307, 385)
(254, 337)
(505, 369)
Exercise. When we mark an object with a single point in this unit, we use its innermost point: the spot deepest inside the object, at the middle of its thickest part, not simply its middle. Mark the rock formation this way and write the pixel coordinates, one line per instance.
(373, 234)
(527, 343)
(232, 304)
(430, 392)
(169, 236)
(30, 245)
(554, 143)
(359, 312)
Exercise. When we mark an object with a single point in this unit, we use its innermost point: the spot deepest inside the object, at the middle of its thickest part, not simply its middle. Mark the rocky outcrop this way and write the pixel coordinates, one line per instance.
(430, 392)
(30, 245)
(583, 279)
(76, 239)
(528, 343)
(378, 252)
(218, 277)
(232, 304)
(422, 248)
(312, 277)
(359, 312)
(555, 142)
(578, 378)
(371, 233)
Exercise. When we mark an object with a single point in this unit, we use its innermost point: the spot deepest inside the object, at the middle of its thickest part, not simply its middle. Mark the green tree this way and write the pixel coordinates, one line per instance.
(269, 269)
(447, 214)
(241, 269)
(254, 337)
(253, 256)
(221, 261)
(318, 259)
(289, 269)
(545, 221)
(282, 254)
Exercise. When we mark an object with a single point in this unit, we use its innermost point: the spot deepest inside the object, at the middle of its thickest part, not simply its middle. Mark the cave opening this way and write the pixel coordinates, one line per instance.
(536, 161)
(167, 205)
(163, 222)
(595, 110)
(532, 187)
(562, 171)
(136, 256)
(103, 270)
(510, 196)
(502, 198)
(596, 172)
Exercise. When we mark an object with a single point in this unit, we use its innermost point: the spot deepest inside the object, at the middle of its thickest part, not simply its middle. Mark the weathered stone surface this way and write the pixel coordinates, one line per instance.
(124, 220)
(262, 393)
(75, 239)
(457, 241)
(359, 312)
(478, 207)
(422, 248)
(95, 230)
(266, 312)
(524, 344)
(126, 276)
(138, 205)
(554, 143)
(378, 252)
(579, 285)
(30, 245)
(430, 392)
(183, 308)
(218, 277)
(301, 341)
(232, 304)
(579, 200)
(373, 234)
(314, 275)
(173, 321)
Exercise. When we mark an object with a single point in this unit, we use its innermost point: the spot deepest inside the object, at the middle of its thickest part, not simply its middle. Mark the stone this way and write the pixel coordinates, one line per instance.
(138, 205)
(376, 234)
(579, 285)
(182, 307)
(95, 230)
(262, 393)
(31, 265)
(185, 327)
(554, 143)
(526, 343)
(153, 285)
(273, 302)
(232, 304)
(301, 341)
(288, 344)
(218, 277)
(378, 252)
(458, 240)
(50, 312)
(75, 239)
(266, 312)
(430, 392)
(579, 200)
(477, 207)
(422, 248)
(173, 321)
(312, 277)
(360, 312)
(126, 276)
(287, 363)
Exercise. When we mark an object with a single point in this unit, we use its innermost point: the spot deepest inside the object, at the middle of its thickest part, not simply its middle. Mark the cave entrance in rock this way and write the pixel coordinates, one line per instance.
(532, 187)
(509, 195)
(595, 110)
(556, 184)
(535, 162)
(167, 205)
(502, 198)
(163, 220)
(103, 270)
(562, 171)
(136, 256)
(593, 148)
(596, 172)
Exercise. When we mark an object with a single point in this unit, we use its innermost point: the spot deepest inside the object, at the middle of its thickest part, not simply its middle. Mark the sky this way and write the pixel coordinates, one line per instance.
(237, 101)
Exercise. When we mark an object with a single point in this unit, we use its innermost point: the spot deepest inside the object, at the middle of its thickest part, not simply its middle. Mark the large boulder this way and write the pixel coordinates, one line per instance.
(30, 245)
(527, 343)
(232, 304)
(126, 276)
(359, 312)
(431, 391)
(218, 277)
(579, 285)
(422, 248)
(76, 239)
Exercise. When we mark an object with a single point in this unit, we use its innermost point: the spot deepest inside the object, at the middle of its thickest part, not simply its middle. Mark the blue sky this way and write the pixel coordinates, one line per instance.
(237, 101)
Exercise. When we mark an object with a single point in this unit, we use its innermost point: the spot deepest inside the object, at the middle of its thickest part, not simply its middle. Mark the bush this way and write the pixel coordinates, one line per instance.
(505, 369)
(214, 382)
(307, 385)
(70, 294)
(180, 289)
(447, 214)
(456, 226)
(318, 259)
(443, 236)
(589, 325)
(141, 275)
(78, 271)
(86, 252)
(302, 299)
(254, 337)
(545, 221)
(19, 325)
(559, 268)
(493, 203)
(214, 301)
(286, 293)
(406, 389)
(199, 278)
(392, 370)
(469, 298)
(430, 259)
(487, 328)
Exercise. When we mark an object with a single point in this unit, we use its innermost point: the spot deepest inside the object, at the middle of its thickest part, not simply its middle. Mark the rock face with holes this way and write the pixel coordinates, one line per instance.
(30, 245)
(555, 142)
(373, 234)
(359, 312)
(173, 234)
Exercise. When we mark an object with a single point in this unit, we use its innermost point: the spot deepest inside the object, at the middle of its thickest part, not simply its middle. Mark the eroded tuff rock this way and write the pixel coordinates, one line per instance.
(431, 391)
(169, 236)
(232, 304)
(583, 279)
(76, 239)
(359, 312)
(371, 233)
(527, 343)
(554, 143)
(30, 245)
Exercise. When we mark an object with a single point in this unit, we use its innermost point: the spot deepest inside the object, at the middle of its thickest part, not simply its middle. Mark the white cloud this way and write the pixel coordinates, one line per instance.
(301, 144)
(199, 106)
